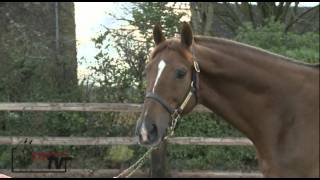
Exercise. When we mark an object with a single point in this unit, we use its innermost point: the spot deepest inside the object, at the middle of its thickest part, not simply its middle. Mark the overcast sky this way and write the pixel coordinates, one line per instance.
(90, 16)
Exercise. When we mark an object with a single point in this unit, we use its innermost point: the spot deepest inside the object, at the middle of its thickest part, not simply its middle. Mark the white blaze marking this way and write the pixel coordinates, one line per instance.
(161, 67)
(144, 133)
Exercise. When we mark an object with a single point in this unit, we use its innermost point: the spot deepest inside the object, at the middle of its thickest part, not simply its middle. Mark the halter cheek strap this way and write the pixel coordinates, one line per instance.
(176, 112)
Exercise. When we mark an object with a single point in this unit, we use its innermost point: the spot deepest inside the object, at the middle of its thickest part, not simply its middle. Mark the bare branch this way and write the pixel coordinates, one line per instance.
(124, 19)
(291, 23)
(285, 11)
(251, 14)
(262, 7)
(246, 9)
(279, 11)
(232, 27)
(233, 14)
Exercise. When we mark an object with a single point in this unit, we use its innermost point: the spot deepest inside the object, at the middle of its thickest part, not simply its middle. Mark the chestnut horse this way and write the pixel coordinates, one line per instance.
(273, 100)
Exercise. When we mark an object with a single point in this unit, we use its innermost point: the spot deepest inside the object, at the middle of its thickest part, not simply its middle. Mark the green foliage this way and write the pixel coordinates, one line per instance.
(22, 77)
(119, 153)
(205, 125)
(5, 157)
(30, 68)
(147, 14)
(211, 157)
(272, 37)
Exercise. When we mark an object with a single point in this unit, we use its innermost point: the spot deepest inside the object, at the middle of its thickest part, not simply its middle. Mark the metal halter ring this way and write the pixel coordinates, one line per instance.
(196, 66)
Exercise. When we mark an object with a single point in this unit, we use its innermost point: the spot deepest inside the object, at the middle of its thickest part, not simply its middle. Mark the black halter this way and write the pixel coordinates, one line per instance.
(176, 112)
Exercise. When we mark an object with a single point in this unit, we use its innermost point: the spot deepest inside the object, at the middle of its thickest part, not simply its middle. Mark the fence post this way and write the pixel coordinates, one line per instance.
(159, 168)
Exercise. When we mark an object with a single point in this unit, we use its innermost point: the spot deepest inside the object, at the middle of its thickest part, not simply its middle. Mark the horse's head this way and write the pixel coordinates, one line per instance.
(171, 85)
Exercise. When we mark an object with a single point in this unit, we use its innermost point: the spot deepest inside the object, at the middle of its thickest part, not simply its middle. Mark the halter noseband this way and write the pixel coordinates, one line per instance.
(176, 112)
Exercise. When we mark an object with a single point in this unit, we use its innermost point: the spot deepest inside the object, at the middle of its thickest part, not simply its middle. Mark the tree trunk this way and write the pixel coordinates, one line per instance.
(202, 17)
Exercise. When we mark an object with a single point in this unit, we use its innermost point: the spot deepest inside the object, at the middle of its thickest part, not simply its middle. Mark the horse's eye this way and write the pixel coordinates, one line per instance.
(180, 73)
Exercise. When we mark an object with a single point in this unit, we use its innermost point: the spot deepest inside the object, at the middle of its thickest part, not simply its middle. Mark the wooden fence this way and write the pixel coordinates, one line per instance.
(80, 107)
(113, 107)
(78, 173)
(78, 141)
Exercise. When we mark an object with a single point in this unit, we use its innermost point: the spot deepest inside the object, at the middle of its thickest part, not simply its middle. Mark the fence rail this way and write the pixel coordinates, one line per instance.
(12, 140)
(80, 107)
(139, 173)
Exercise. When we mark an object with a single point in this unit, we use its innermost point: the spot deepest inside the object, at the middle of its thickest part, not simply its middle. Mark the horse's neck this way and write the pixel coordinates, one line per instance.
(244, 88)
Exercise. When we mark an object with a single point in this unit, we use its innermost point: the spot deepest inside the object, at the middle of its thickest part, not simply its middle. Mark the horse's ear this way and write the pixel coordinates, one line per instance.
(157, 34)
(186, 35)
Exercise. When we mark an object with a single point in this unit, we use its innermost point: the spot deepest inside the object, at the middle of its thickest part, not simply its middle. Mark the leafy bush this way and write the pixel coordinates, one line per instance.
(119, 153)
(302, 47)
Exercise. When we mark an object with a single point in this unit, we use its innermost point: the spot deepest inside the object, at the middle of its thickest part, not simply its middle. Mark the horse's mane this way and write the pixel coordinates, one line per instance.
(174, 44)
(216, 40)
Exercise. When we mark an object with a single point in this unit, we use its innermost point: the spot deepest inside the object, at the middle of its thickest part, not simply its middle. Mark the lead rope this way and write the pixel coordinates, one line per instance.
(136, 165)
(141, 161)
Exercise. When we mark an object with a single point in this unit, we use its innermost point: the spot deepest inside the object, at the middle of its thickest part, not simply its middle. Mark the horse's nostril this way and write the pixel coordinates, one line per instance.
(154, 127)
(148, 135)
(152, 135)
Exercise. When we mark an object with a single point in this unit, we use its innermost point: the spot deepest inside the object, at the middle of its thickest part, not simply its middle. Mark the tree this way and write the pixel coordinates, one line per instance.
(132, 43)
(235, 15)
(202, 14)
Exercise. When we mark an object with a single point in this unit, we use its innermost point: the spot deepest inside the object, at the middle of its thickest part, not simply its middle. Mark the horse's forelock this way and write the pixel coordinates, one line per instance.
(172, 44)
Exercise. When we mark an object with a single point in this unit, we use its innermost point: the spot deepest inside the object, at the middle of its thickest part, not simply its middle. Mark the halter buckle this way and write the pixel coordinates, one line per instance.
(175, 114)
(196, 66)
